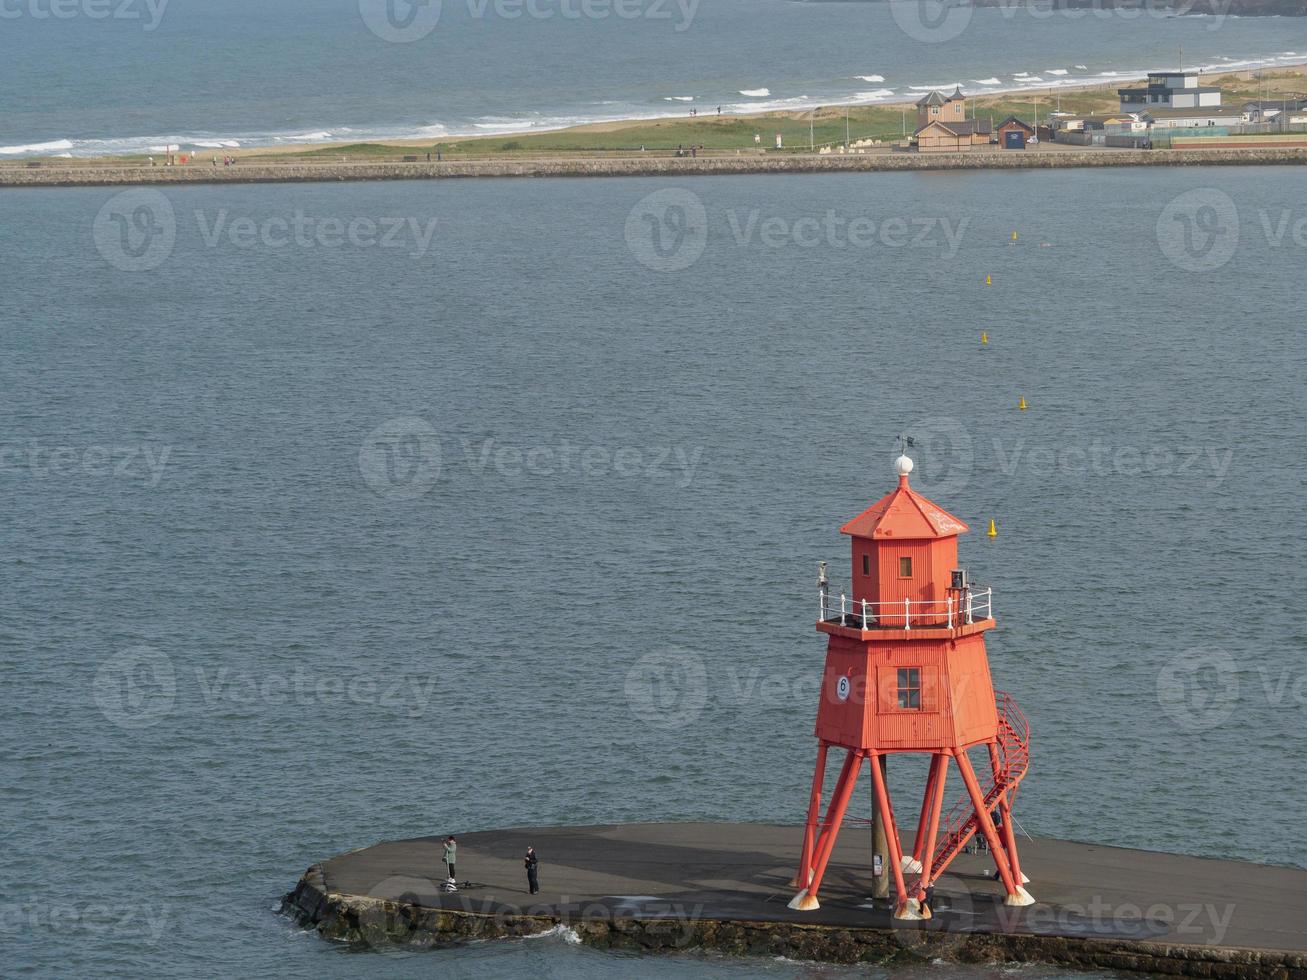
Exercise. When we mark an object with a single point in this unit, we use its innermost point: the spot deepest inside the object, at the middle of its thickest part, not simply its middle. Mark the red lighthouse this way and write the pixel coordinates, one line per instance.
(906, 671)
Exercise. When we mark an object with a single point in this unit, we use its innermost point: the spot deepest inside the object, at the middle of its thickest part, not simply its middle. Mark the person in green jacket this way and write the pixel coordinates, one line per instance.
(451, 855)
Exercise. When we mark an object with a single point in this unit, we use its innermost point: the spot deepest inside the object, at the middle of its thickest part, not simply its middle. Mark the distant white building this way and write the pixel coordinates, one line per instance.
(1192, 118)
(1264, 110)
(1170, 90)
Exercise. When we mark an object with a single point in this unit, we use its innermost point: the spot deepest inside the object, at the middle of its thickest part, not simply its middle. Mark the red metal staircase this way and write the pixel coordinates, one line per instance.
(961, 823)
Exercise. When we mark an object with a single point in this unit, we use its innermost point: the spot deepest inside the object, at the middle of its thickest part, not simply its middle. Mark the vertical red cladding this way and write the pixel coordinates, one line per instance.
(971, 692)
(866, 570)
(905, 695)
(846, 708)
(888, 571)
(904, 548)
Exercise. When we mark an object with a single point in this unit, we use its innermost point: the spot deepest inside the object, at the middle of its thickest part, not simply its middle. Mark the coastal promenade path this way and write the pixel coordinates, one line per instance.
(725, 887)
(253, 170)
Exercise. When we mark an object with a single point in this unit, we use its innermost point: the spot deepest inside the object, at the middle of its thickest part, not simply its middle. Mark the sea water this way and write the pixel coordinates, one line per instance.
(321, 530)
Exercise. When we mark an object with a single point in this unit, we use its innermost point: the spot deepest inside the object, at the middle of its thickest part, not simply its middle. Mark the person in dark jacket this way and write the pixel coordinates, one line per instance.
(451, 856)
(532, 864)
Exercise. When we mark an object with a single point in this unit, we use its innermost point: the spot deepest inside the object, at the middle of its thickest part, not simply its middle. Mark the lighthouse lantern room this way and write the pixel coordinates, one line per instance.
(906, 671)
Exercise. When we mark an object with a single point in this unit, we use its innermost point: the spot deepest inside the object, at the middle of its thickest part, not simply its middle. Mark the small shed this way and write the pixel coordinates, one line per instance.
(1013, 133)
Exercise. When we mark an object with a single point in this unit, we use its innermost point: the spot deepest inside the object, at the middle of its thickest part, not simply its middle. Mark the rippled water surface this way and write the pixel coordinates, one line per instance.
(311, 541)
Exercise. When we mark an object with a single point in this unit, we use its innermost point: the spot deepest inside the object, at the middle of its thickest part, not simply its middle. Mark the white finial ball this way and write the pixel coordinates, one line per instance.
(903, 465)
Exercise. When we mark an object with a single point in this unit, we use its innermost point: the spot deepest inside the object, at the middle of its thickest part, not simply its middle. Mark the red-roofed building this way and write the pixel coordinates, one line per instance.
(904, 548)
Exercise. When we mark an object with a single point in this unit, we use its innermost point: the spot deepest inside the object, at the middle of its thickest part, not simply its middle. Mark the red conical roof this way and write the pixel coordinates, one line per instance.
(904, 513)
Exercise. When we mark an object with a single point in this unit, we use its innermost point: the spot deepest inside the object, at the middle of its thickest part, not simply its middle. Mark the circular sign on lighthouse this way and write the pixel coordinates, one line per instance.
(842, 688)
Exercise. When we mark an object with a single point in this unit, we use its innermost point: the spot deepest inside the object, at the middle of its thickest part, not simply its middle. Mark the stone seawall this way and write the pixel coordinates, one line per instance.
(251, 171)
(371, 923)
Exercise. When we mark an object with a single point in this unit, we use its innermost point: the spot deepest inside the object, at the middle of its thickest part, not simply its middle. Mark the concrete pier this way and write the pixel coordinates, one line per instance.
(725, 887)
(254, 171)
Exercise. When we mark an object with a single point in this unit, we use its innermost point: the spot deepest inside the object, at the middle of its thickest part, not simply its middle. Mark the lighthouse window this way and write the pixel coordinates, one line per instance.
(909, 687)
(866, 564)
(905, 568)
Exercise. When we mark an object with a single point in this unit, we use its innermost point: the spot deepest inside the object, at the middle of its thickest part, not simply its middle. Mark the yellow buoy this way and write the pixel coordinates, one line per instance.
(984, 337)
(993, 528)
(989, 280)
(1014, 236)
(1022, 404)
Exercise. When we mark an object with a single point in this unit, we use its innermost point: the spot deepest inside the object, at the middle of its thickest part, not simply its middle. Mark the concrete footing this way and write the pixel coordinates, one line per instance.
(803, 902)
(1021, 899)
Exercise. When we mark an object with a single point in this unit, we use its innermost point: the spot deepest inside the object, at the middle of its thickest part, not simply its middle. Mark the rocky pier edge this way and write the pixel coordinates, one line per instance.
(366, 922)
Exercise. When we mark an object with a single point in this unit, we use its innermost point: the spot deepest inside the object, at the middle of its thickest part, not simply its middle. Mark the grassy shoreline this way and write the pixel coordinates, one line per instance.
(717, 135)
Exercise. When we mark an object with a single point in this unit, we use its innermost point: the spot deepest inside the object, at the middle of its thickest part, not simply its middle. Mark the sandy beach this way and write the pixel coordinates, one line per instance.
(727, 134)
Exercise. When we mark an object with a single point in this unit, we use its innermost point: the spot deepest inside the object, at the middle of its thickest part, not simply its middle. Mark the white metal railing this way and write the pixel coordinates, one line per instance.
(961, 607)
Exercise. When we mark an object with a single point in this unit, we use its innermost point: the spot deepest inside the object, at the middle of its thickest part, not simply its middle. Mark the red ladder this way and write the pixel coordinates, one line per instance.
(961, 823)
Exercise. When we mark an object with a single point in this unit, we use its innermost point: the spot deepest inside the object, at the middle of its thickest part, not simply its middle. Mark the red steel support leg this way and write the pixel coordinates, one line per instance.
(1005, 811)
(1010, 840)
(1016, 895)
(824, 827)
(891, 833)
(936, 805)
(926, 798)
(806, 900)
(810, 828)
